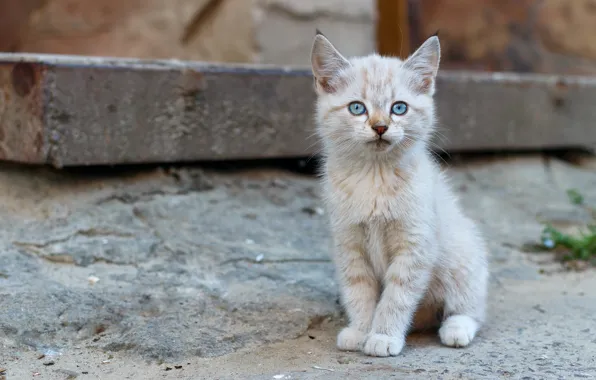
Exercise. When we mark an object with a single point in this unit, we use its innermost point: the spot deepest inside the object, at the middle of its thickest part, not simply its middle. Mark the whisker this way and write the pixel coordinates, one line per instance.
(436, 154)
(440, 134)
(432, 145)
(438, 147)
(309, 159)
(310, 146)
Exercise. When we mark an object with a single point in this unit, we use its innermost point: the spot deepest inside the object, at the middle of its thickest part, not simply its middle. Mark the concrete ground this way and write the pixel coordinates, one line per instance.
(196, 273)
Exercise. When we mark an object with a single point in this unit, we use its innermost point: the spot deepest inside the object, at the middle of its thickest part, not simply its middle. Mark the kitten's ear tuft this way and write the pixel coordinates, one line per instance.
(319, 33)
(424, 63)
(327, 64)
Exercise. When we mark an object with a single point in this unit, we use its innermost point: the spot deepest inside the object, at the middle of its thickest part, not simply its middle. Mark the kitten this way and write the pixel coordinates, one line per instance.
(405, 255)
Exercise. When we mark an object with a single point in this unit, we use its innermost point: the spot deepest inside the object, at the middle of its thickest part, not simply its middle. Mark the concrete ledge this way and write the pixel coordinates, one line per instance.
(67, 110)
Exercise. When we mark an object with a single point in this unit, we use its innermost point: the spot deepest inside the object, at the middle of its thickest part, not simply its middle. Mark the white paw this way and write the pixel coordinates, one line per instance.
(458, 331)
(383, 345)
(350, 339)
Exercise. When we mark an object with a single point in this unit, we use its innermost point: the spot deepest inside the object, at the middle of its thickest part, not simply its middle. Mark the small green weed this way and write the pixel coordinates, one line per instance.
(581, 247)
(575, 197)
(573, 247)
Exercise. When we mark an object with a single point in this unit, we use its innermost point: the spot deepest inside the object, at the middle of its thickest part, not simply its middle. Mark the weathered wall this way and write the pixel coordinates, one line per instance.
(543, 36)
(266, 31)
(14, 16)
(285, 28)
(143, 29)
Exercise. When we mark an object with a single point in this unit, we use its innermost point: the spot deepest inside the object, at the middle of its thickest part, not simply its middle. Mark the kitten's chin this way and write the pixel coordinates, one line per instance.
(379, 145)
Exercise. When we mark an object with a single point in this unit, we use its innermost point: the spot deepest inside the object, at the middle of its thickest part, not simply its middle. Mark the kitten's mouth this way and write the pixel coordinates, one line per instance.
(380, 143)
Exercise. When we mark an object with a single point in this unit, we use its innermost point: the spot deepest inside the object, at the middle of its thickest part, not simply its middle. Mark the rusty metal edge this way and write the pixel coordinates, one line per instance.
(21, 117)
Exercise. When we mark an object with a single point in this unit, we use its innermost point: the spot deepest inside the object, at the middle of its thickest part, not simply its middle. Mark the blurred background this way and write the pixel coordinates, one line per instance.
(543, 36)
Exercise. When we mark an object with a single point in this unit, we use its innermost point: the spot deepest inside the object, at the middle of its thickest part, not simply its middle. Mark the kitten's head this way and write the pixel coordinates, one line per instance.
(374, 105)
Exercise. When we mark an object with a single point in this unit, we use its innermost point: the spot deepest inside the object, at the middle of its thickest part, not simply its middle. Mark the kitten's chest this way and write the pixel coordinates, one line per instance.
(375, 248)
(372, 193)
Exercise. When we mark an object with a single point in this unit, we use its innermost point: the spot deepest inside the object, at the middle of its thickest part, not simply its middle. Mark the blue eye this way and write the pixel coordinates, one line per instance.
(356, 108)
(399, 108)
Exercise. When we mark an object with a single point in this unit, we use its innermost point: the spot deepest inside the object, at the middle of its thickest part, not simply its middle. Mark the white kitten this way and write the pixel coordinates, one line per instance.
(405, 254)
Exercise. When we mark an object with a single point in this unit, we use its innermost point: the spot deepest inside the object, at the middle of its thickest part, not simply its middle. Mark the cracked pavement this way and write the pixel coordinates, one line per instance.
(227, 273)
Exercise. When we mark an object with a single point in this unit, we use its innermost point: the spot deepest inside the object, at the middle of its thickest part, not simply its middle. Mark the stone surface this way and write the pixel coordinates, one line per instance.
(69, 111)
(14, 27)
(222, 273)
(544, 36)
(163, 270)
(284, 29)
(559, 19)
(268, 31)
(540, 36)
(143, 29)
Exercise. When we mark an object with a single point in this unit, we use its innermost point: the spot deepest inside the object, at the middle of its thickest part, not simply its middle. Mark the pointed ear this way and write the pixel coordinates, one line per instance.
(327, 64)
(424, 63)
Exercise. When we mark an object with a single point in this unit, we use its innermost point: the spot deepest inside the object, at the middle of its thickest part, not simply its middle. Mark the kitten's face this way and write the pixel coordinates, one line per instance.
(374, 105)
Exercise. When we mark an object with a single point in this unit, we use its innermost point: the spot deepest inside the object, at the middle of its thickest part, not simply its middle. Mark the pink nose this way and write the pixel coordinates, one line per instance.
(380, 129)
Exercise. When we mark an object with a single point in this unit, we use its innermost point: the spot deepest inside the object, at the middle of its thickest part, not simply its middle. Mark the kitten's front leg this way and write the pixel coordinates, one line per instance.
(405, 283)
(358, 285)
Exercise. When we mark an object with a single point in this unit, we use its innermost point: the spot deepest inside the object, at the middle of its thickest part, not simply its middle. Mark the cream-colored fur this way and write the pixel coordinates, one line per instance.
(406, 256)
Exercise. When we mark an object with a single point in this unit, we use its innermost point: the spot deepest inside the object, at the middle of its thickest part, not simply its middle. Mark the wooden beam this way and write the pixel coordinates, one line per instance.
(393, 29)
(65, 111)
